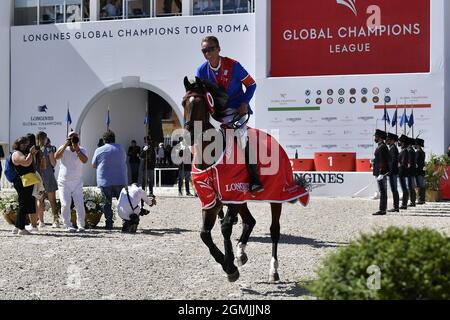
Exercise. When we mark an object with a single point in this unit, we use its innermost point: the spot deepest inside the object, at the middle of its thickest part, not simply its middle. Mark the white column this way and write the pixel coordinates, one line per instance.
(94, 10)
(6, 14)
(186, 9)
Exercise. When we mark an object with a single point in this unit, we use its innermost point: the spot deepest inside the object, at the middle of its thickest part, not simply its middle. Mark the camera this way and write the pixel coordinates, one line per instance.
(75, 140)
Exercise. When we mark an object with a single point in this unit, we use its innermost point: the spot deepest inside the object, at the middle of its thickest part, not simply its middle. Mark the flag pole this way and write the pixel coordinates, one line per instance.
(67, 120)
(107, 120)
(404, 128)
(144, 184)
(396, 117)
(385, 116)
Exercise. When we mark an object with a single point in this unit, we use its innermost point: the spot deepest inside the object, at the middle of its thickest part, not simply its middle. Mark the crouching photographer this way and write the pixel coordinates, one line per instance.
(129, 207)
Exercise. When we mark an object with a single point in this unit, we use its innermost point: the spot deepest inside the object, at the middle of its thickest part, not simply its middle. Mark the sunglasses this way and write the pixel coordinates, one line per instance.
(209, 49)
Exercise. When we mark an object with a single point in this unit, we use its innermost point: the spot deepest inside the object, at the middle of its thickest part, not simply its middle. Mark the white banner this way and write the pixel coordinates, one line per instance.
(340, 184)
(54, 66)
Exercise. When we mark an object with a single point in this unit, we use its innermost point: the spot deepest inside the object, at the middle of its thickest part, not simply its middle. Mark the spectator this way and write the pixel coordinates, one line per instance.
(45, 159)
(167, 153)
(110, 9)
(168, 6)
(160, 154)
(70, 183)
(184, 168)
(2, 155)
(33, 216)
(149, 156)
(133, 158)
(22, 160)
(129, 206)
(100, 143)
(110, 161)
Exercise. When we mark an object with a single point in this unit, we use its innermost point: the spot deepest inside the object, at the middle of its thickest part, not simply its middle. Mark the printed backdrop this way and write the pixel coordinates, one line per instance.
(335, 37)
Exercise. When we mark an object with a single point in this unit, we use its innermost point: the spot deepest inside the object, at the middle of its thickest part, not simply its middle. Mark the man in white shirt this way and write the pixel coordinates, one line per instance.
(70, 183)
(129, 206)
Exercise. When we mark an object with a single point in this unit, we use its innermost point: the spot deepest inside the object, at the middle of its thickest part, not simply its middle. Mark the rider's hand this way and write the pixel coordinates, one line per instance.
(243, 108)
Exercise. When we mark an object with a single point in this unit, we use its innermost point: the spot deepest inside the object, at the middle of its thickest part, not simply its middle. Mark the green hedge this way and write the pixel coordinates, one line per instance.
(412, 264)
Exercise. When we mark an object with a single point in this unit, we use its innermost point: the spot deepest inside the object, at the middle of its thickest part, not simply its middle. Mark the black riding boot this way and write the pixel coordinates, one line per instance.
(252, 168)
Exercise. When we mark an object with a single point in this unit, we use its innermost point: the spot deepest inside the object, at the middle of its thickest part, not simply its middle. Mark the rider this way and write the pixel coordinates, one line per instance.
(230, 75)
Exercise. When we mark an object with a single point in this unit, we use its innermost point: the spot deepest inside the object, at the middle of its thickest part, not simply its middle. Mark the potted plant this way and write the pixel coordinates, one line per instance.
(8, 207)
(435, 169)
(9, 204)
(93, 203)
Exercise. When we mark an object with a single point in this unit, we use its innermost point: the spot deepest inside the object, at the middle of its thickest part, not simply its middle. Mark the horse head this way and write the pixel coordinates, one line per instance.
(198, 105)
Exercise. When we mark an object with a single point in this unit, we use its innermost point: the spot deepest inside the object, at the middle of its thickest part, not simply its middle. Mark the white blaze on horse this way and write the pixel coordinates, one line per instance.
(220, 177)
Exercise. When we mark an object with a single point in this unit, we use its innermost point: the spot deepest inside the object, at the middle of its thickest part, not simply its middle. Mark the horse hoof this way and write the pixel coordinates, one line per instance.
(241, 260)
(274, 277)
(232, 277)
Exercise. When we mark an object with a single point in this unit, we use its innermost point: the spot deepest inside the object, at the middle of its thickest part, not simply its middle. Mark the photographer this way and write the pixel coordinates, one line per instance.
(22, 160)
(45, 160)
(70, 182)
(129, 206)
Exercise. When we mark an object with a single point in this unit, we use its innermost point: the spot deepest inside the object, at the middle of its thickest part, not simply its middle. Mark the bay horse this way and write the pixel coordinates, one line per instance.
(196, 109)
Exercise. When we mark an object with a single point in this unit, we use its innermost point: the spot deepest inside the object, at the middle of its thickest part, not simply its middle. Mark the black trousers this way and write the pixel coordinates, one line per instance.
(412, 189)
(405, 191)
(394, 189)
(27, 203)
(422, 188)
(130, 226)
(382, 187)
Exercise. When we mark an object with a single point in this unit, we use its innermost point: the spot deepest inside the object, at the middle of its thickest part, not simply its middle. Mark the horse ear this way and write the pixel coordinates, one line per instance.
(199, 82)
(187, 84)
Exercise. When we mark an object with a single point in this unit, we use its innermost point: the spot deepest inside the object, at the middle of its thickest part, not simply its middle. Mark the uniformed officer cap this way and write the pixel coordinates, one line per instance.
(420, 142)
(412, 141)
(404, 139)
(380, 134)
(391, 136)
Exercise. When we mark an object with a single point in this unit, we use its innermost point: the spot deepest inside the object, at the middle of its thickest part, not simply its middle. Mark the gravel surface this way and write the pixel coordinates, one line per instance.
(167, 260)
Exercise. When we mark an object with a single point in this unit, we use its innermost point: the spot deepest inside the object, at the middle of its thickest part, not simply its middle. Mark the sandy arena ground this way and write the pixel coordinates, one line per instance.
(167, 260)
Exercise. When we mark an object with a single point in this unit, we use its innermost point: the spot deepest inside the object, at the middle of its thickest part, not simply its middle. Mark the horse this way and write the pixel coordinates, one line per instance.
(197, 108)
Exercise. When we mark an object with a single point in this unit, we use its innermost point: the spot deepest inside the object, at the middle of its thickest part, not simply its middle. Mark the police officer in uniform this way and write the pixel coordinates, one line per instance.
(420, 172)
(411, 172)
(381, 168)
(391, 141)
(403, 170)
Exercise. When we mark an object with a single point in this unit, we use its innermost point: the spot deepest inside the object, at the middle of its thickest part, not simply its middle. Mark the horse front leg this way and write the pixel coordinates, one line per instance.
(227, 228)
(275, 235)
(209, 219)
(248, 223)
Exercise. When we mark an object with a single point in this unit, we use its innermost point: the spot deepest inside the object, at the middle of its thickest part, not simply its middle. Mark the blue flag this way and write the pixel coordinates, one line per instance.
(386, 116)
(146, 119)
(394, 118)
(411, 119)
(108, 119)
(403, 119)
(68, 117)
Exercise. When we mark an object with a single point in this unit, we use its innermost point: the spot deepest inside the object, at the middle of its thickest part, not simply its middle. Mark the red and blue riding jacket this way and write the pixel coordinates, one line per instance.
(230, 75)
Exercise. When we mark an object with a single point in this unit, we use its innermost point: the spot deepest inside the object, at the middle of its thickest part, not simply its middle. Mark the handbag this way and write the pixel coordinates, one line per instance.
(30, 179)
(38, 188)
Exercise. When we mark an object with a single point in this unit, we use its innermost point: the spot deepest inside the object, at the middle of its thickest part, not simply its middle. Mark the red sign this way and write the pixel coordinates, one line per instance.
(337, 37)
